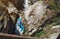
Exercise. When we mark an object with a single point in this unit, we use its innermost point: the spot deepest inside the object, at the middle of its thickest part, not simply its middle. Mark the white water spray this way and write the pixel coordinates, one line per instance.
(26, 4)
(26, 7)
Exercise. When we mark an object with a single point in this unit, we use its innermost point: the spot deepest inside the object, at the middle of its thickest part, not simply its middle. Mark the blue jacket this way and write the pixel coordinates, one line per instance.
(19, 27)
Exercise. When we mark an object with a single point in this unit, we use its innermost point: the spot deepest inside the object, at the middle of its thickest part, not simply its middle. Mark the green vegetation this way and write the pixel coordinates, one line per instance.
(54, 5)
(39, 33)
(47, 24)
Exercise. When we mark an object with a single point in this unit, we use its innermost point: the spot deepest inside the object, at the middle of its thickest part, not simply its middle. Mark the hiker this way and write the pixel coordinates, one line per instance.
(17, 23)
(13, 12)
(19, 27)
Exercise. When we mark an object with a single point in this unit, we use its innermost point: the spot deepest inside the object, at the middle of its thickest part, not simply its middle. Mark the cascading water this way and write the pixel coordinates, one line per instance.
(26, 7)
(26, 4)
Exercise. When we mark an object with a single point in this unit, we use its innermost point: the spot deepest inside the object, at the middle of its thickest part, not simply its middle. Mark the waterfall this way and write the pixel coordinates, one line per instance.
(26, 5)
